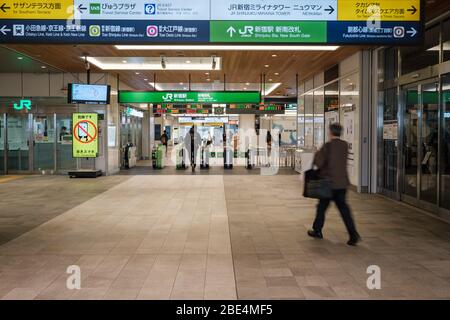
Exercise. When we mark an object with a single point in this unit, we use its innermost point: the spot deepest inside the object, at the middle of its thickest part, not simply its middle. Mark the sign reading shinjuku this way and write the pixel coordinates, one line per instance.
(336, 22)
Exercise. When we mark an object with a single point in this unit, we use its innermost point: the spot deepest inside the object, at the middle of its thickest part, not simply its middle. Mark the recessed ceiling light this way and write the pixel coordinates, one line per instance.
(247, 83)
(276, 73)
(43, 67)
(274, 56)
(188, 61)
(181, 83)
(266, 66)
(229, 47)
(20, 58)
(137, 73)
(270, 80)
(207, 73)
(124, 61)
(208, 79)
(145, 79)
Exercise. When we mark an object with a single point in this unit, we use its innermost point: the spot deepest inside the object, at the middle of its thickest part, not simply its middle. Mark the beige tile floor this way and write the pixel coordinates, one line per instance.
(223, 237)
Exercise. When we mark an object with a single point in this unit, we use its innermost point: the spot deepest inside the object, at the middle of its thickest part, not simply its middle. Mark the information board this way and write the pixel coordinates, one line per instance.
(189, 97)
(85, 135)
(334, 22)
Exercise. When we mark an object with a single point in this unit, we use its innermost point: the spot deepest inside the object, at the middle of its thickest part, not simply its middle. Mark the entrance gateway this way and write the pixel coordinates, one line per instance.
(203, 22)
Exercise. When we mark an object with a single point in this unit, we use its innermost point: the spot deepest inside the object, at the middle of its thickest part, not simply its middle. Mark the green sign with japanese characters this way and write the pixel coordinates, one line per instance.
(186, 97)
(269, 31)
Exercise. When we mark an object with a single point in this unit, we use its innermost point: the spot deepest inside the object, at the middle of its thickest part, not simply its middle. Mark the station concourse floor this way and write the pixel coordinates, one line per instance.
(209, 236)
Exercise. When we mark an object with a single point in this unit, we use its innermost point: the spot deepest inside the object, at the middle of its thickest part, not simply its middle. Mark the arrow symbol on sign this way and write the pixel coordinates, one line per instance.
(4, 30)
(231, 31)
(412, 32)
(4, 8)
(330, 9)
(413, 10)
(81, 8)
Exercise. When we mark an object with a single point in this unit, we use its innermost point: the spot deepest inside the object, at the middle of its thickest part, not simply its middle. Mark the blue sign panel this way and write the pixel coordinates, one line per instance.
(360, 32)
(104, 31)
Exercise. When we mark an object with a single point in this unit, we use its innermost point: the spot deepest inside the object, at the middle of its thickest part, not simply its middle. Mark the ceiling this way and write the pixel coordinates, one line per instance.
(246, 67)
(237, 66)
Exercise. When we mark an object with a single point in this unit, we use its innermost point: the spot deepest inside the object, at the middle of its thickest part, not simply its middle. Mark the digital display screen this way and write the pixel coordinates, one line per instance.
(89, 94)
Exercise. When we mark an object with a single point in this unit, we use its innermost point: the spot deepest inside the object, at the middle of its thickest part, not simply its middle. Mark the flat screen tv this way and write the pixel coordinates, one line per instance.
(89, 93)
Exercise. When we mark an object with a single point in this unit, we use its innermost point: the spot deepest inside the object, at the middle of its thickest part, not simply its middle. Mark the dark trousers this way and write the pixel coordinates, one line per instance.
(339, 199)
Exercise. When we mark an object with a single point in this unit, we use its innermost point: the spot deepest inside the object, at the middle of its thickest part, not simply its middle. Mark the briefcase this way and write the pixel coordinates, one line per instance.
(316, 187)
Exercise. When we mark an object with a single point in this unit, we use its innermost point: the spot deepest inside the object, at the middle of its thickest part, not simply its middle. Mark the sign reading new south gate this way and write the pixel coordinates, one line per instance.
(212, 21)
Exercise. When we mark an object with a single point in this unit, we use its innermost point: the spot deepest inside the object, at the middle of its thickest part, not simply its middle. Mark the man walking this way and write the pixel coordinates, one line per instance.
(332, 163)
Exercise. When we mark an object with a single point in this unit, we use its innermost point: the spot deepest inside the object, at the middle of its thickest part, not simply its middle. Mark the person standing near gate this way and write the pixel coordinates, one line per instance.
(331, 160)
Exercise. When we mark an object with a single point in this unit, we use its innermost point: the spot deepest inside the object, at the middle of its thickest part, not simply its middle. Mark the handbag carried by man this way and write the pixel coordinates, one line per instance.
(317, 186)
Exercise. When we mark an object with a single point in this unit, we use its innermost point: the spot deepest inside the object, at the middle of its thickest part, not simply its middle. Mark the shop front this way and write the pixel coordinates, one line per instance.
(35, 135)
(414, 121)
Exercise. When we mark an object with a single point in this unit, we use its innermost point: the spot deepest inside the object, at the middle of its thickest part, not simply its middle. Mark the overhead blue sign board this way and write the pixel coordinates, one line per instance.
(212, 21)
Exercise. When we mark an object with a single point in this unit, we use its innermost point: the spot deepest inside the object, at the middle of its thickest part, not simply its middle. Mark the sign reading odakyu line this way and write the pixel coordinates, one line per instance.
(188, 97)
(212, 21)
(85, 135)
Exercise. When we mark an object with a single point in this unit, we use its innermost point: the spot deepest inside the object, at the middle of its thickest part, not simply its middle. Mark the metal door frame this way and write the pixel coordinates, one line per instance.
(29, 117)
(5, 144)
(52, 117)
(416, 201)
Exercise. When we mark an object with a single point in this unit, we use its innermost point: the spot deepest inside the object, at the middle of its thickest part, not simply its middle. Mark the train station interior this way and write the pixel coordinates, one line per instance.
(175, 170)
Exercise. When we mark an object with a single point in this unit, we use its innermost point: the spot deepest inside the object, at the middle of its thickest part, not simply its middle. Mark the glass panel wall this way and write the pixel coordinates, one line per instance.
(301, 118)
(388, 181)
(65, 161)
(445, 145)
(2, 144)
(446, 40)
(309, 119)
(18, 142)
(43, 142)
(410, 141)
(430, 142)
(318, 118)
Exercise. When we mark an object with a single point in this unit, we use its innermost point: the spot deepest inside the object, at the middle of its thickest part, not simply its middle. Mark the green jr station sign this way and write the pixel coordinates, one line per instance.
(188, 97)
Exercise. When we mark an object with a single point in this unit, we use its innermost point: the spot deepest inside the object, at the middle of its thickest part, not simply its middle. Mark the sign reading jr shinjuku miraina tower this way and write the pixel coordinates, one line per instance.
(212, 21)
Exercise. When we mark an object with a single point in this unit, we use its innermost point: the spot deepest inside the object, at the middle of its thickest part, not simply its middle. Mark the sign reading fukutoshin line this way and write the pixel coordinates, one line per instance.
(212, 21)
(187, 97)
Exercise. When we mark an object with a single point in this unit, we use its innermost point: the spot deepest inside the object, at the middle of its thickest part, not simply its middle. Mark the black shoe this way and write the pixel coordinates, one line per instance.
(354, 240)
(315, 234)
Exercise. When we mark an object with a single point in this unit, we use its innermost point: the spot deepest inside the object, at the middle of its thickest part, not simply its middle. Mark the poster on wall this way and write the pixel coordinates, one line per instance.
(348, 135)
(331, 117)
(390, 131)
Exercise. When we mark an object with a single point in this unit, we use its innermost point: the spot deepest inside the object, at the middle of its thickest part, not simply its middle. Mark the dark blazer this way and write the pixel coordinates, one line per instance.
(331, 159)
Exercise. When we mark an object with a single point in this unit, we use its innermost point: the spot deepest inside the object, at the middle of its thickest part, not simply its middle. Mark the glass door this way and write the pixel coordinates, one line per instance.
(2, 143)
(445, 145)
(18, 141)
(64, 159)
(410, 142)
(44, 139)
(429, 127)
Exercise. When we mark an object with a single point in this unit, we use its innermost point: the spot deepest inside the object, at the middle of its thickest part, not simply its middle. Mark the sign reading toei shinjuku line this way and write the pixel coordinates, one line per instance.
(335, 22)
(85, 135)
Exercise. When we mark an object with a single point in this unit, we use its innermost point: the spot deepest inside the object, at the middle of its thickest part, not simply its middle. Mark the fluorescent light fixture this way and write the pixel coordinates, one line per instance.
(156, 63)
(228, 47)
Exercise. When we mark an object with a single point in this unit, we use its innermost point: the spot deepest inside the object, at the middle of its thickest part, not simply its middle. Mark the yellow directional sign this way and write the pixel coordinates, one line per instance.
(383, 10)
(85, 135)
(36, 9)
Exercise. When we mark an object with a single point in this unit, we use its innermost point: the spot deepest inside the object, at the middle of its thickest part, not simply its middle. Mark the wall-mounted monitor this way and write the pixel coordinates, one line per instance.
(89, 93)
